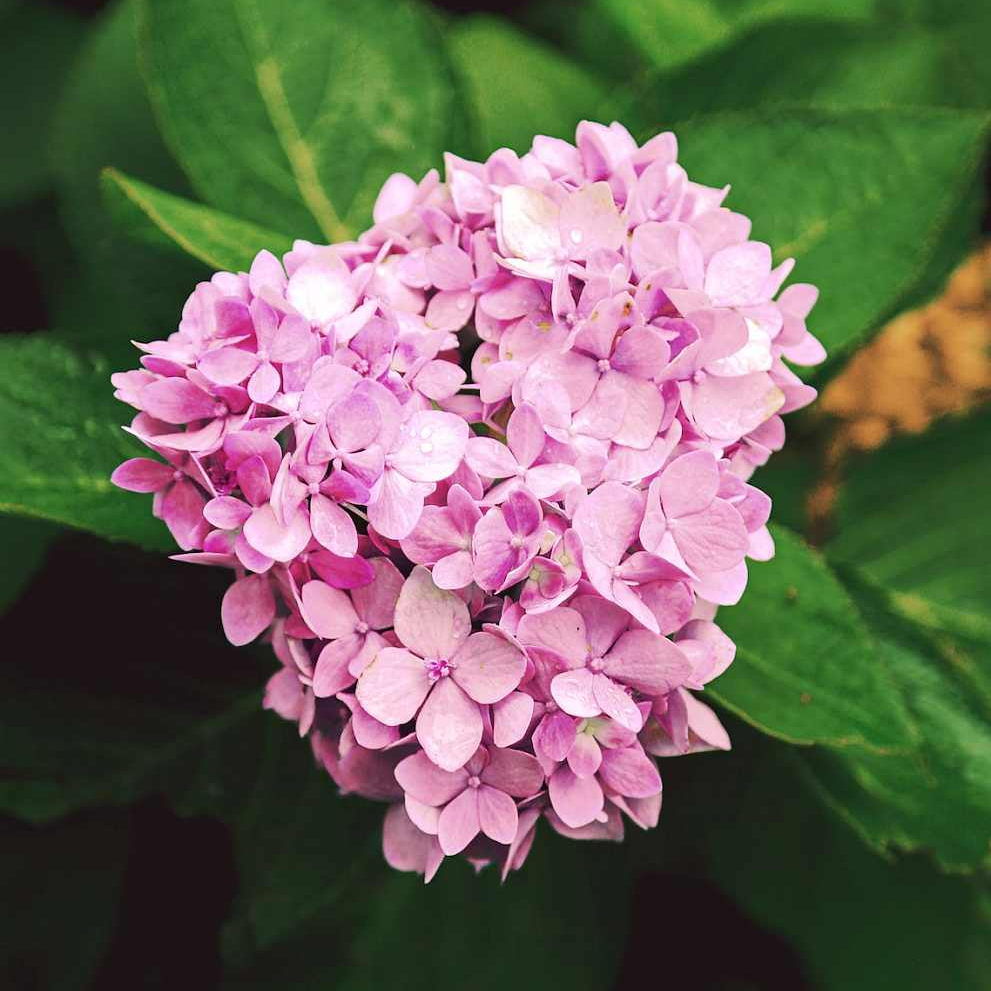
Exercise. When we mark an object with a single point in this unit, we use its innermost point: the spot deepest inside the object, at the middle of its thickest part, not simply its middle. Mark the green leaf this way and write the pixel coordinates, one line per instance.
(119, 290)
(25, 544)
(806, 669)
(861, 198)
(797, 871)
(913, 517)
(519, 87)
(823, 63)
(61, 438)
(668, 34)
(294, 115)
(61, 887)
(37, 42)
(940, 799)
(221, 241)
(911, 529)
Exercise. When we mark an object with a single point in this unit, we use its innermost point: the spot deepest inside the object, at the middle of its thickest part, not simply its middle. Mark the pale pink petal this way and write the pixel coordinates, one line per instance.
(561, 630)
(527, 223)
(488, 667)
(331, 674)
(648, 662)
(322, 289)
(281, 543)
(578, 801)
(333, 527)
(525, 434)
(327, 611)
(453, 571)
(554, 736)
(736, 275)
(393, 686)
(403, 845)
(497, 815)
(459, 822)
(608, 521)
(712, 540)
(629, 772)
(396, 504)
(572, 690)
(511, 718)
(429, 620)
(590, 221)
(228, 366)
(432, 446)
(585, 755)
(615, 702)
(490, 458)
(449, 726)
(689, 484)
(426, 782)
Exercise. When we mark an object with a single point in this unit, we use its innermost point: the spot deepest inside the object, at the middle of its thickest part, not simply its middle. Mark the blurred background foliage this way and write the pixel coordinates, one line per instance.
(159, 829)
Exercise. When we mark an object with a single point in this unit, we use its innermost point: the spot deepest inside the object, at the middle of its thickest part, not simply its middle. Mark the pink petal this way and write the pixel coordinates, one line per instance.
(429, 620)
(525, 434)
(331, 674)
(226, 512)
(404, 847)
(354, 421)
(142, 475)
(629, 772)
(497, 815)
(488, 667)
(511, 718)
(650, 663)
(572, 690)
(585, 756)
(177, 400)
(281, 543)
(284, 695)
(393, 686)
(433, 446)
(554, 736)
(439, 379)
(453, 571)
(375, 602)
(615, 702)
(449, 726)
(396, 504)
(578, 801)
(689, 484)
(459, 822)
(248, 609)
(713, 540)
(327, 611)
(561, 630)
(608, 521)
(321, 289)
(333, 527)
(426, 782)
(590, 221)
(490, 458)
(228, 366)
(735, 275)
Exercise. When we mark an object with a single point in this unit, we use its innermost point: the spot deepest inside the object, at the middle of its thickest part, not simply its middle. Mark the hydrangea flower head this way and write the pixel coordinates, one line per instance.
(481, 480)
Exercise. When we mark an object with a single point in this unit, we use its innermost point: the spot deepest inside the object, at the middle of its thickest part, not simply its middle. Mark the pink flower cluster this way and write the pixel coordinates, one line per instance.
(491, 601)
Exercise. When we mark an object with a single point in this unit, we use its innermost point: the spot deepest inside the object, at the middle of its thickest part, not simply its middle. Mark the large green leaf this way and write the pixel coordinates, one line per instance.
(293, 115)
(911, 529)
(940, 799)
(667, 34)
(806, 669)
(60, 888)
(913, 517)
(118, 290)
(61, 438)
(824, 63)
(518, 87)
(861, 198)
(858, 922)
(37, 42)
(153, 215)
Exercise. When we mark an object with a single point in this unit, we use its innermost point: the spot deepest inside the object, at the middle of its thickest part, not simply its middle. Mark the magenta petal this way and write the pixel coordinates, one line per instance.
(578, 801)
(248, 609)
(459, 822)
(142, 475)
(393, 686)
(449, 726)
(497, 815)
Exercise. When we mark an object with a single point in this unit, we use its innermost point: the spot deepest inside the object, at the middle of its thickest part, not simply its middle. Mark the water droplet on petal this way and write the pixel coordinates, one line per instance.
(576, 237)
(426, 448)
